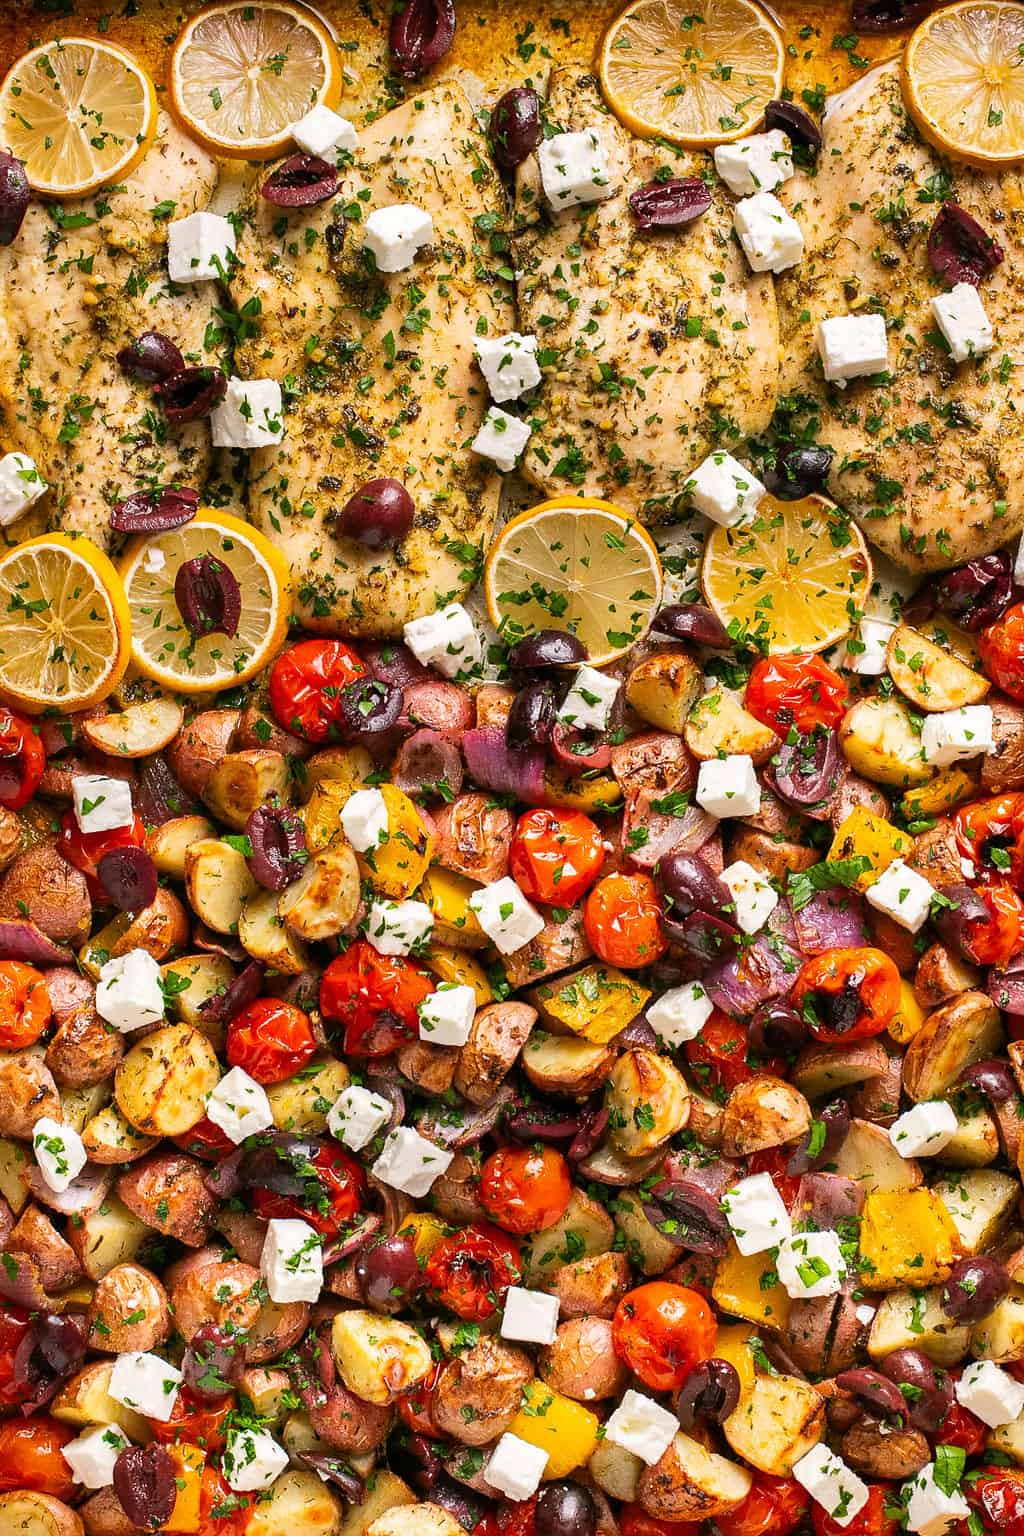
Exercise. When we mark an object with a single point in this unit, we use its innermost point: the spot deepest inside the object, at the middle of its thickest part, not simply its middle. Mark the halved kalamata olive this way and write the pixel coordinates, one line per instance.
(669, 204)
(794, 121)
(992, 1079)
(128, 876)
(470, 1509)
(278, 839)
(300, 181)
(531, 717)
(145, 1483)
(874, 1389)
(155, 511)
(800, 469)
(547, 648)
(515, 127)
(593, 1124)
(415, 1459)
(929, 1391)
(388, 1274)
(238, 994)
(806, 772)
(336, 1471)
(565, 1509)
(421, 34)
(700, 1223)
(693, 622)
(955, 922)
(776, 1029)
(191, 394)
(208, 596)
(59, 1340)
(15, 193)
(818, 1147)
(579, 751)
(978, 593)
(959, 249)
(889, 15)
(690, 885)
(151, 357)
(214, 1361)
(368, 707)
(711, 1391)
(975, 1286)
(379, 514)
(542, 1122)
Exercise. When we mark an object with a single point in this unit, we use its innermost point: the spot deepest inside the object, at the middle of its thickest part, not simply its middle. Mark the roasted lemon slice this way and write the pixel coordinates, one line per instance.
(963, 78)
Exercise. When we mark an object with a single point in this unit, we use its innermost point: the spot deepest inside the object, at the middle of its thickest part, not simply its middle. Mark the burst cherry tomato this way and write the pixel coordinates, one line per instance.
(872, 1520)
(773, 1507)
(375, 997)
(512, 1520)
(22, 760)
(333, 1198)
(996, 1494)
(847, 994)
(637, 1522)
(85, 849)
(621, 921)
(525, 1189)
(270, 1039)
(556, 856)
(471, 1271)
(206, 1140)
(194, 1421)
(24, 1004)
(662, 1331)
(30, 1456)
(991, 834)
(995, 941)
(13, 1327)
(305, 687)
(795, 692)
(718, 1056)
(960, 1427)
(773, 1161)
(1001, 647)
(222, 1512)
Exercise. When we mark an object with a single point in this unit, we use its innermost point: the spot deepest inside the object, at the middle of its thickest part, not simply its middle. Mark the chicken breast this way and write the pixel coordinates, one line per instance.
(930, 461)
(658, 348)
(379, 369)
(76, 285)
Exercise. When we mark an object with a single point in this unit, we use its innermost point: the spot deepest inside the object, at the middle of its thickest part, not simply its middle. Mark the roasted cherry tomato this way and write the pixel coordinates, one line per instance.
(471, 1271)
(960, 1427)
(847, 994)
(1001, 647)
(525, 1189)
(22, 760)
(14, 1325)
(415, 1408)
(795, 693)
(773, 1161)
(621, 921)
(30, 1456)
(996, 1494)
(24, 1004)
(206, 1140)
(512, 1520)
(375, 997)
(635, 1521)
(270, 1039)
(334, 1197)
(194, 1421)
(305, 687)
(85, 849)
(995, 941)
(222, 1512)
(556, 856)
(873, 1520)
(662, 1331)
(991, 834)
(773, 1507)
(718, 1056)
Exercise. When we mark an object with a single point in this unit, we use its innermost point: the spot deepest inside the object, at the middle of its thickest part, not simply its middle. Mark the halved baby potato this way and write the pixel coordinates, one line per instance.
(163, 1083)
(218, 883)
(168, 844)
(718, 723)
(929, 676)
(263, 935)
(325, 898)
(879, 740)
(137, 731)
(243, 781)
(648, 1101)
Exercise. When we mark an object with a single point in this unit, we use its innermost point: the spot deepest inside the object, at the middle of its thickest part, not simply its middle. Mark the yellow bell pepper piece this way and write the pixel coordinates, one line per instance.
(396, 868)
(907, 1237)
(189, 1462)
(454, 965)
(596, 1002)
(909, 1016)
(424, 1232)
(596, 792)
(447, 895)
(566, 1430)
(321, 815)
(940, 794)
(748, 1287)
(865, 836)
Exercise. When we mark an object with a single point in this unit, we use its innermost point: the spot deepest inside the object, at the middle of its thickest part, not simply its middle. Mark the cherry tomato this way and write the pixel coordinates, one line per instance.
(222, 1512)
(872, 1520)
(205, 1140)
(556, 856)
(416, 1408)
(24, 1004)
(1001, 647)
(637, 1522)
(22, 760)
(960, 1427)
(997, 1495)
(342, 1188)
(13, 1327)
(718, 1056)
(525, 1189)
(621, 921)
(85, 849)
(774, 1505)
(471, 1271)
(773, 1161)
(991, 834)
(795, 692)
(30, 1456)
(514, 1520)
(270, 1039)
(662, 1331)
(376, 998)
(305, 687)
(847, 994)
(995, 941)
(194, 1421)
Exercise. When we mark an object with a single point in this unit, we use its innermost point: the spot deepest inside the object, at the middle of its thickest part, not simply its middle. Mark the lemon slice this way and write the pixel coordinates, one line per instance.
(963, 78)
(694, 74)
(64, 639)
(162, 646)
(241, 74)
(578, 564)
(79, 113)
(794, 579)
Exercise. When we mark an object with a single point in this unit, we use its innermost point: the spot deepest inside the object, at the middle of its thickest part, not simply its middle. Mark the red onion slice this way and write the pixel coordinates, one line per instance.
(832, 919)
(24, 941)
(579, 751)
(494, 766)
(20, 1284)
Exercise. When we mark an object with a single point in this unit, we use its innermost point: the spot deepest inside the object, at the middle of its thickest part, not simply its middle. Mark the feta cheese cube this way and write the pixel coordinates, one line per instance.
(447, 640)
(811, 1264)
(199, 247)
(589, 701)
(129, 994)
(574, 169)
(446, 1016)
(59, 1153)
(396, 927)
(727, 786)
(957, 734)
(758, 164)
(101, 804)
(515, 1467)
(251, 415)
(853, 347)
(990, 1393)
(529, 1316)
(410, 1162)
(771, 239)
(146, 1383)
(251, 1460)
(865, 655)
(754, 897)
(756, 1215)
(903, 895)
(21, 486)
(395, 235)
(501, 439)
(680, 1013)
(960, 316)
(292, 1261)
(239, 1106)
(509, 365)
(323, 132)
(357, 1115)
(92, 1456)
(364, 819)
(724, 489)
(505, 915)
(831, 1483)
(642, 1426)
(924, 1130)
(930, 1510)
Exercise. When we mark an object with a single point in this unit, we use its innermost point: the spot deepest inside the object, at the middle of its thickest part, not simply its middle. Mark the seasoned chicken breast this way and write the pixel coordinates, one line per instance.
(931, 461)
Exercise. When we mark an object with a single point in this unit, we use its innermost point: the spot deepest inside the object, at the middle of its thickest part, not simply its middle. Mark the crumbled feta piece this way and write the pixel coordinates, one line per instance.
(853, 347)
(515, 1467)
(323, 132)
(251, 415)
(129, 994)
(723, 489)
(930, 1510)
(753, 895)
(960, 316)
(505, 915)
(21, 486)
(811, 1264)
(771, 238)
(509, 365)
(394, 236)
(92, 1456)
(153, 561)
(758, 164)
(642, 1426)
(101, 804)
(727, 786)
(446, 1016)
(239, 1106)
(831, 1483)
(924, 1130)
(903, 895)
(251, 1460)
(990, 1393)
(756, 1215)
(199, 247)
(866, 655)
(292, 1261)
(357, 1115)
(59, 1153)
(529, 1316)
(396, 927)
(364, 819)
(501, 439)
(588, 703)
(447, 640)
(410, 1162)
(146, 1383)
(574, 169)
(957, 734)
(680, 1013)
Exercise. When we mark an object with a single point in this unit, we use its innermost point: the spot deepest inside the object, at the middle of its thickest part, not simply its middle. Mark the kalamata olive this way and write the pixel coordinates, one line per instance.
(547, 648)
(928, 1391)
(579, 751)
(388, 1274)
(14, 196)
(59, 1340)
(956, 922)
(593, 1124)
(515, 127)
(369, 707)
(531, 717)
(978, 593)
(565, 1509)
(208, 596)
(879, 16)
(470, 1509)
(690, 885)
(707, 938)
(421, 34)
(150, 358)
(975, 1286)
(300, 182)
(800, 469)
(336, 1471)
(379, 514)
(238, 994)
(776, 1029)
(795, 122)
(155, 511)
(191, 394)
(283, 1164)
(145, 1483)
(874, 1389)
(414, 1458)
(693, 622)
(542, 1122)
(669, 204)
(129, 878)
(819, 1146)
(959, 249)
(278, 840)
(711, 1391)
(699, 1222)
(992, 1079)
(806, 772)
(214, 1361)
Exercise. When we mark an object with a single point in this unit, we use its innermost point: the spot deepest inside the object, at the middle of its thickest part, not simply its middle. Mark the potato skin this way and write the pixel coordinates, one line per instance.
(35, 1235)
(128, 1311)
(474, 837)
(479, 1392)
(85, 1049)
(167, 1192)
(43, 887)
(103, 1515)
(27, 1093)
(590, 1286)
(498, 1034)
(216, 1293)
(582, 1363)
(68, 990)
(278, 1327)
(26, 1513)
(350, 1424)
(199, 745)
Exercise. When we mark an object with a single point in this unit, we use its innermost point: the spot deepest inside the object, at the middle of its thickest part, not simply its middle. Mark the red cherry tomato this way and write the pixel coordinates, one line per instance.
(335, 1196)
(194, 1421)
(205, 1140)
(305, 687)
(1001, 647)
(718, 1056)
(525, 1189)
(995, 941)
(85, 849)
(847, 994)
(22, 760)
(774, 1505)
(13, 1327)
(989, 830)
(222, 1512)
(415, 1408)
(996, 1494)
(637, 1522)
(960, 1427)
(873, 1519)
(556, 856)
(514, 1520)
(30, 1456)
(471, 1271)
(24, 1004)
(773, 1161)
(795, 692)
(621, 921)
(270, 1039)
(662, 1331)
(375, 997)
